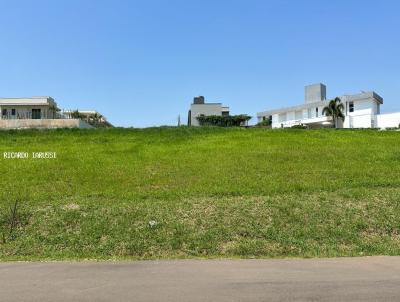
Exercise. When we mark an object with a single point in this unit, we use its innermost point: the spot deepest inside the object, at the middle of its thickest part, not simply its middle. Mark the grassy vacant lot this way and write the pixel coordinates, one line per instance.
(175, 193)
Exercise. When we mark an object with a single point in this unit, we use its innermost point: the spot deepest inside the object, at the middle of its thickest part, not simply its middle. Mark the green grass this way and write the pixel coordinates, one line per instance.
(211, 193)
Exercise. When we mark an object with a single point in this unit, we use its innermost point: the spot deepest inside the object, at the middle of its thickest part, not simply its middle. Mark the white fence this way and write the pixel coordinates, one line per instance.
(388, 120)
(43, 123)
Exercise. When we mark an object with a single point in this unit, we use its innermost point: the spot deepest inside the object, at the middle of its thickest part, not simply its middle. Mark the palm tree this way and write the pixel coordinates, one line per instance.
(335, 110)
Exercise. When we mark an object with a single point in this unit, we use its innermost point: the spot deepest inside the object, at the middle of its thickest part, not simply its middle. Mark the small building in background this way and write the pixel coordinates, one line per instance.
(200, 107)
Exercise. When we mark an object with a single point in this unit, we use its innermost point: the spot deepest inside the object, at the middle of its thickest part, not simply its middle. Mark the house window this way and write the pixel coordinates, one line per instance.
(351, 107)
(13, 112)
(36, 114)
(316, 112)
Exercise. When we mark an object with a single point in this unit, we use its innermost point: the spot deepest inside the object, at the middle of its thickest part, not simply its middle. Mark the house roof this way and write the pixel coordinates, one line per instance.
(293, 108)
(32, 101)
(224, 108)
(207, 104)
(344, 98)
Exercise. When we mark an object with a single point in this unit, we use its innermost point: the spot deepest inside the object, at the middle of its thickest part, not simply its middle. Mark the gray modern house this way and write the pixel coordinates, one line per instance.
(200, 107)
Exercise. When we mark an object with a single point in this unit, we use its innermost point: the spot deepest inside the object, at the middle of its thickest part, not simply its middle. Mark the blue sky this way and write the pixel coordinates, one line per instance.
(140, 63)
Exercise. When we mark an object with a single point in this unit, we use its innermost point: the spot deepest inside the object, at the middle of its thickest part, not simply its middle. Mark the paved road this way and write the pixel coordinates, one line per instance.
(345, 279)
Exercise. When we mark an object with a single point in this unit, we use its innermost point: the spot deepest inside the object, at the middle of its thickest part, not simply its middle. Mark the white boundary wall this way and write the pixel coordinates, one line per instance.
(43, 123)
(388, 120)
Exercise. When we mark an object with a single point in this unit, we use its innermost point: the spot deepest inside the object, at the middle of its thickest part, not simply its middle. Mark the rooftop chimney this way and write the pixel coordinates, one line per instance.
(198, 100)
(315, 93)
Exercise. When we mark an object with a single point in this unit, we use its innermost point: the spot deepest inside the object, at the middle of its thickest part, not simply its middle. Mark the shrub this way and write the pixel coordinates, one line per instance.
(77, 115)
(264, 123)
(301, 126)
(223, 121)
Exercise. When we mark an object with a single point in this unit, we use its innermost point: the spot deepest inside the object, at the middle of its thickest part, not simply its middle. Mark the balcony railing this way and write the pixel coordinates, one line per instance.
(29, 115)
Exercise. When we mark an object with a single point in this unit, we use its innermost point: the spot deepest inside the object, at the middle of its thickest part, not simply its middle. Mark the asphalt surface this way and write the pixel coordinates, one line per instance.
(342, 279)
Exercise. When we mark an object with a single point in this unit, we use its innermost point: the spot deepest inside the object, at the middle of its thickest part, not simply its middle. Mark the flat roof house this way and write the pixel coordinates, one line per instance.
(42, 107)
(200, 107)
(35, 112)
(361, 110)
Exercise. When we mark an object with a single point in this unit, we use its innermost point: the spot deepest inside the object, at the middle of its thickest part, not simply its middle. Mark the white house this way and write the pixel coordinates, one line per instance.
(28, 108)
(362, 110)
(41, 112)
(200, 107)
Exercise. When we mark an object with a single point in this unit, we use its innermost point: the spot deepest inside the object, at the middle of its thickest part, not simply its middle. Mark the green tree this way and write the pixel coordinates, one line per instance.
(335, 110)
(95, 119)
(76, 114)
(265, 122)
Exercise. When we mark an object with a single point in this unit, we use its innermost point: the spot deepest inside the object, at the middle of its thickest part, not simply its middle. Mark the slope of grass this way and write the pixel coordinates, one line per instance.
(200, 192)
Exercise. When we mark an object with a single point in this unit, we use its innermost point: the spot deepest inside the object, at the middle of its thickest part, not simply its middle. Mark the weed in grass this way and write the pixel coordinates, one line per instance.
(10, 221)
